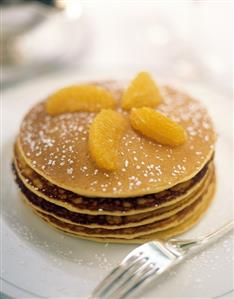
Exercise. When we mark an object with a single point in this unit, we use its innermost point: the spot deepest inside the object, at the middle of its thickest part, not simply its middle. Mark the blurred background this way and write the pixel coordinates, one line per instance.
(191, 40)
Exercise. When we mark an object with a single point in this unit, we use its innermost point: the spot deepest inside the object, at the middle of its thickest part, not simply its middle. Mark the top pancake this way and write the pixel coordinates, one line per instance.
(57, 148)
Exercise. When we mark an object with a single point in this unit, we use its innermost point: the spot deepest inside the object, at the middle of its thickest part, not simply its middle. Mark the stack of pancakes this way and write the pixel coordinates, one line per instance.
(157, 192)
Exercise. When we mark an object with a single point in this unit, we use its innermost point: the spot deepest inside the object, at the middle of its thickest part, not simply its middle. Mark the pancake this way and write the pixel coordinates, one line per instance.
(107, 221)
(57, 148)
(132, 232)
(165, 234)
(157, 191)
(106, 206)
(178, 224)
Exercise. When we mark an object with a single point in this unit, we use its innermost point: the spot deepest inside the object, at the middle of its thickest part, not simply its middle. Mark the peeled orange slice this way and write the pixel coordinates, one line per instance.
(142, 92)
(157, 126)
(76, 98)
(104, 138)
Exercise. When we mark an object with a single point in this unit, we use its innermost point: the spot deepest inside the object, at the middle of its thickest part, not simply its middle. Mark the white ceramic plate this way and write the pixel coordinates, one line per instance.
(40, 261)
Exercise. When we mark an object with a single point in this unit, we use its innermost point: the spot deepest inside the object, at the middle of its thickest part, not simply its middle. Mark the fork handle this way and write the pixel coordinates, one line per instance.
(215, 235)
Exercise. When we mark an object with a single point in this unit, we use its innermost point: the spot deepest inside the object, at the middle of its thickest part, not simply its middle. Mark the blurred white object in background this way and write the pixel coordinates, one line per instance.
(72, 8)
(39, 38)
(17, 19)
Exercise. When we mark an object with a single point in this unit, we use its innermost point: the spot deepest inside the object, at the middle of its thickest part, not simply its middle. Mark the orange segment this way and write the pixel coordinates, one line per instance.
(157, 126)
(74, 98)
(141, 92)
(104, 138)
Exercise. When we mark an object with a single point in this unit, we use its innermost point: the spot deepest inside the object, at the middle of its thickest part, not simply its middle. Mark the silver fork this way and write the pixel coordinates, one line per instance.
(147, 262)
